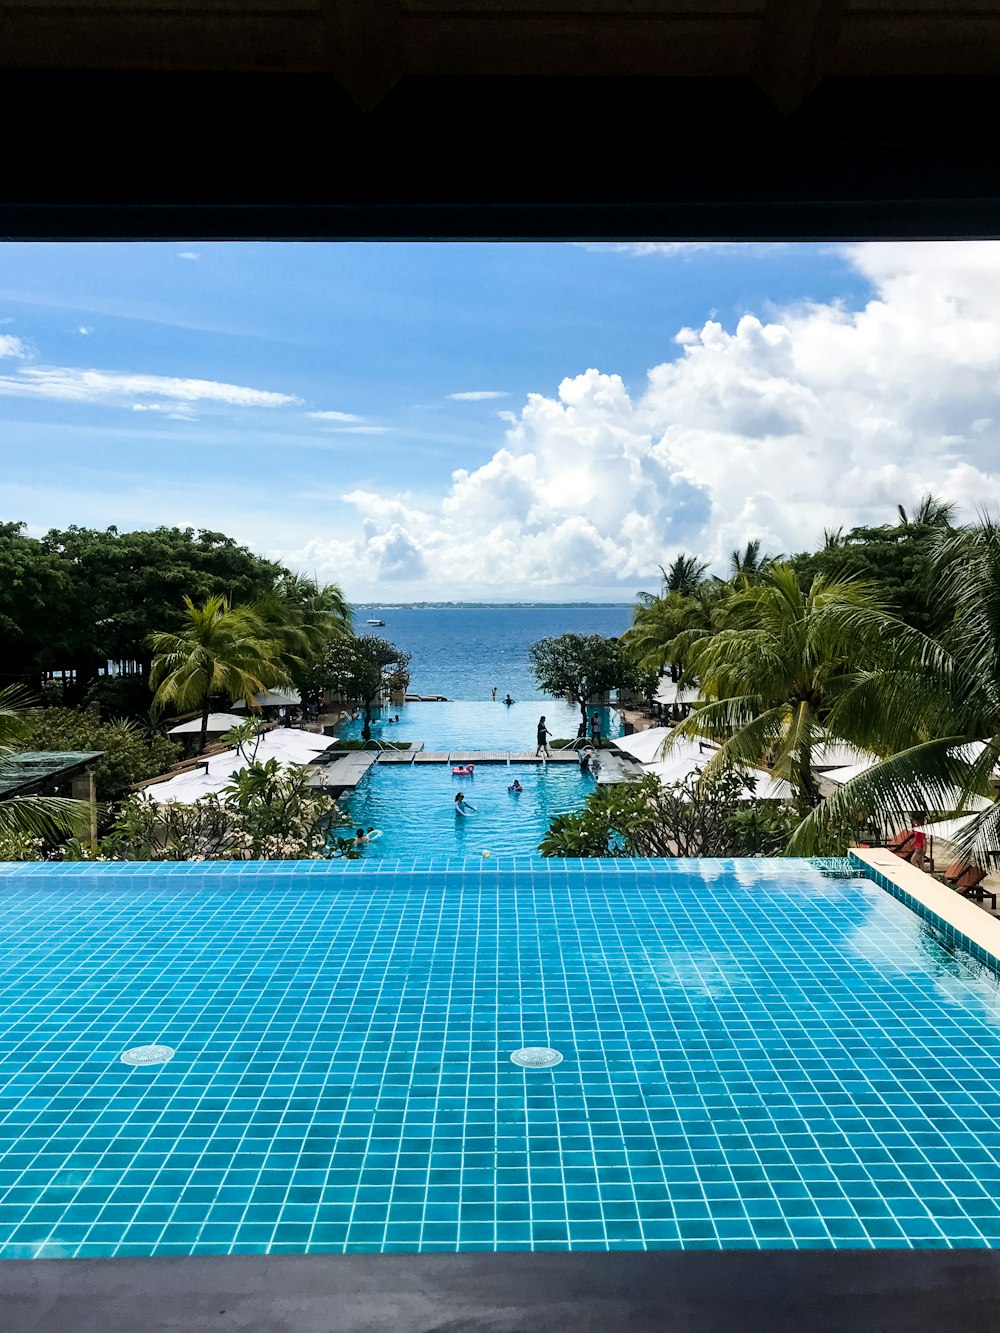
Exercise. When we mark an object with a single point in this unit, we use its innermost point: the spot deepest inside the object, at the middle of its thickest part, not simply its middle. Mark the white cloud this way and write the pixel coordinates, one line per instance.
(360, 430)
(119, 388)
(477, 395)
(83, 329)
(11, 346)
(334, 416)
(817, 417)
(641, 249)
(188, 254)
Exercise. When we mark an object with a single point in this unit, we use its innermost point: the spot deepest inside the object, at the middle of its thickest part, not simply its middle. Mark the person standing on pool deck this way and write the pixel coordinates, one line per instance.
(595, 730)
(543, 737)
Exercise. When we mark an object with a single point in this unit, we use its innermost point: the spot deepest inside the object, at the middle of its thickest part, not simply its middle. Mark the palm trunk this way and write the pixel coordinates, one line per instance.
(203, 739)
(808, 793)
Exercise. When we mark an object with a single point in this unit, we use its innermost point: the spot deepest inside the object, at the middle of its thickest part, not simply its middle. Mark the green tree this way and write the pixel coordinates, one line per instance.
(27, 821)
(267, 813)
(364, 669)
(750, 565)
(664, 630)
(582, 667)
(121, 587)
(778, 678)
(683, 575)
(935, 710)
(895, 557)
(304, 617)
(221, 650)
(131, 752)
(696, 816)
(34, 601)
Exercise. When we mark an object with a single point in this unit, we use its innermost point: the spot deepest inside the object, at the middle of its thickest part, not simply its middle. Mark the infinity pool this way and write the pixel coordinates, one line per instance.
(414, 807)
(754, 1055)
(478, 725)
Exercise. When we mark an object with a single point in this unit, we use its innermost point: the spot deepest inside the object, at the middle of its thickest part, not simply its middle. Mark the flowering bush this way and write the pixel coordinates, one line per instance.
(267, 813)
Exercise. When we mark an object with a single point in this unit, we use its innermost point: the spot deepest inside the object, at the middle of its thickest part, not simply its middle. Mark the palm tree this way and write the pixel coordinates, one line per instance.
(931, 512)
(31, 816)
(935, 710)
(665, 629)
(304, 617)
(833, 539)
(751, 564)
(778, 677)
(221, 649)
(684, 575)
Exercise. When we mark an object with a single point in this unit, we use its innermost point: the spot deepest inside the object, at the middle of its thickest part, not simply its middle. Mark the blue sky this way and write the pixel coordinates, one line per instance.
(315, 400)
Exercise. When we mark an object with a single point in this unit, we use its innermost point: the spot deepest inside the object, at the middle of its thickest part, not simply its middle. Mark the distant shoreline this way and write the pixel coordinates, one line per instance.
(488, 606)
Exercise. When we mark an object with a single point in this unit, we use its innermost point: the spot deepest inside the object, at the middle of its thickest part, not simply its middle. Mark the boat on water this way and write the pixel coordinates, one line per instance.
(374, 622)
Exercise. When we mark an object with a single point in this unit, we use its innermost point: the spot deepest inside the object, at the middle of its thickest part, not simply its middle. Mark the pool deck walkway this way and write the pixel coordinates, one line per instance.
(344, 769)
(775, 1291)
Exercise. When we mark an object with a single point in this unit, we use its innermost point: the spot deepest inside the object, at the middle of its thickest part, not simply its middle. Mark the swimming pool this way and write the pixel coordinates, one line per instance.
(479, 725)
(414, 807)
(755, 1055)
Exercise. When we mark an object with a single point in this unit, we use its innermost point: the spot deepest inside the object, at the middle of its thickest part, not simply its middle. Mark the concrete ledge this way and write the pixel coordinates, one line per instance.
(962, 919)
(774, 1291)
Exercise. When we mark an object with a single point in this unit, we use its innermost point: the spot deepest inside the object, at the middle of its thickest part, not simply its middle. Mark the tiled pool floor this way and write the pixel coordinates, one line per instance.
(755, 1055)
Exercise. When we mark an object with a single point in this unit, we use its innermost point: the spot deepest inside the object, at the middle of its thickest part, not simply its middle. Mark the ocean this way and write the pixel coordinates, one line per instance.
(463, 651)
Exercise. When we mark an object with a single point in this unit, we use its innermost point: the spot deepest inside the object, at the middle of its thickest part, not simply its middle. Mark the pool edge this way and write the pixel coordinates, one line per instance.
(962, 922)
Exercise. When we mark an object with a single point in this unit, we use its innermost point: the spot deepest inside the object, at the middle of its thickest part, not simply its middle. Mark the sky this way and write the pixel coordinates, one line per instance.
(497, 421)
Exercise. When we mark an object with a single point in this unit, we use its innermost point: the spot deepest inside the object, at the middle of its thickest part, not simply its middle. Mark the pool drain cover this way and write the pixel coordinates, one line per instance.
(147, 1055)
(536, 1057)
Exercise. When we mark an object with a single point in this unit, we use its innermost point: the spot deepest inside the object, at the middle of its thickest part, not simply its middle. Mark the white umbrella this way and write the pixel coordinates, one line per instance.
(273, 699)
(217, 722)
(646, 745)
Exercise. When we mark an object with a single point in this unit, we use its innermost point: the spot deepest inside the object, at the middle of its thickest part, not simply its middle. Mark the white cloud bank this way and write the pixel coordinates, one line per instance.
(819, 417)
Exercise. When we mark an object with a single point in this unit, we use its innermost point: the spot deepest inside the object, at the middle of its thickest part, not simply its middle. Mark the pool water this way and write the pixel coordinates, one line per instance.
(480, 725)
(414, 807)
(755, 1055)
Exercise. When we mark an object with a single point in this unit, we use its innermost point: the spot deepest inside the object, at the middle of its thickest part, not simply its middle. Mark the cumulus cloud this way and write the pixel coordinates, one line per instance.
(11, 346)
(817, 416)
(119, 388)
(83, 330)
(477, 395)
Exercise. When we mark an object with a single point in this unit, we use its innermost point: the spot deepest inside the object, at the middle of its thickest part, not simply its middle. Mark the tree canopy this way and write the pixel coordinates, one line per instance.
(361, 669)
(79, 597)
(582, 667)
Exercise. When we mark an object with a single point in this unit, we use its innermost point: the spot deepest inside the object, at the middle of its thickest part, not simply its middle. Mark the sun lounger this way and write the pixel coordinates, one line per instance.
(968, 880)
(902, 844)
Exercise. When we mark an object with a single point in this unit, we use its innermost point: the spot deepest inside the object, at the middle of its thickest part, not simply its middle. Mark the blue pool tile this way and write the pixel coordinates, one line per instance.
(757, 1054)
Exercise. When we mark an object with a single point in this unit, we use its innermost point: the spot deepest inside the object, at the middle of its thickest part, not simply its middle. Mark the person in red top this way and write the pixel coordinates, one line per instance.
(919, 847)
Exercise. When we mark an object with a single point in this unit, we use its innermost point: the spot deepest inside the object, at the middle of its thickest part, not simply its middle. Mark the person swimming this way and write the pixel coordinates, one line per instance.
(515, 787)
(462, 806)
(360, 838)
(508, 701)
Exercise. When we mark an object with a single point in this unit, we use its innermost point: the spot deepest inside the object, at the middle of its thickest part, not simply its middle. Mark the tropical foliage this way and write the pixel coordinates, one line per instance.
(28, 821)
(268, 812)
(583, 667)
(222, 650)
(778, 679)
(694, 817)
(362, 669)
(131, 752)
(78, 598)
